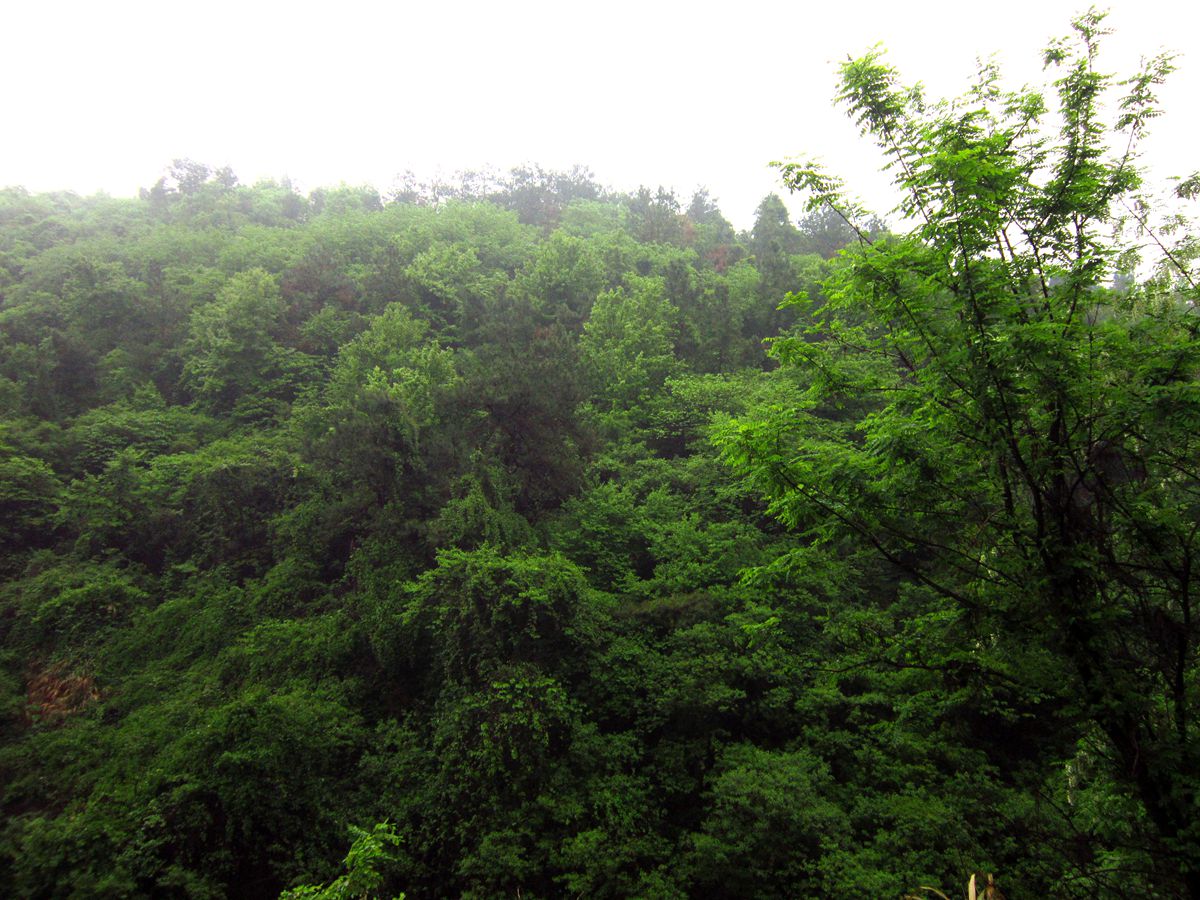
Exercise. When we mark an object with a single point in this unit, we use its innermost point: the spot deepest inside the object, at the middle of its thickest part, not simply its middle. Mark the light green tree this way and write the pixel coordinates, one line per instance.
(363, 880)
(1013, 435)
(234, 360)
(628, 342)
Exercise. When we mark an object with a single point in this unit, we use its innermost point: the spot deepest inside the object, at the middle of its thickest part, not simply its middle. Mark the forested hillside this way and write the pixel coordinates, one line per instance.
(591, 548)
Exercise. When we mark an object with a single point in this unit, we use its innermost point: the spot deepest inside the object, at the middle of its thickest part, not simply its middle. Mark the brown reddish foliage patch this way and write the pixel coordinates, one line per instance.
(55, 694)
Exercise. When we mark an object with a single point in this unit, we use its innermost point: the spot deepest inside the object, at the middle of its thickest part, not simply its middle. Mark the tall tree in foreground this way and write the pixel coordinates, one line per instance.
(1015, 434)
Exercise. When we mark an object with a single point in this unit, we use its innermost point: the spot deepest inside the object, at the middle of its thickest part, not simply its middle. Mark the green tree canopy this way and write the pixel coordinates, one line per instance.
(1011, 433)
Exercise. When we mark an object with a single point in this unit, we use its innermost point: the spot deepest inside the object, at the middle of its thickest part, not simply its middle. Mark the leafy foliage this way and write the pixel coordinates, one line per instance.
(336, 509)
(1008, 429)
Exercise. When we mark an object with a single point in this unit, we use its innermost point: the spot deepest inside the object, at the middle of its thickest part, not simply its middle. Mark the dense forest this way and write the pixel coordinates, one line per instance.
(520, 537)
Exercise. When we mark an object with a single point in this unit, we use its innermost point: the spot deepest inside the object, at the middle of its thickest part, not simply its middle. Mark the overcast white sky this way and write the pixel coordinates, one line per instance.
(103, 95)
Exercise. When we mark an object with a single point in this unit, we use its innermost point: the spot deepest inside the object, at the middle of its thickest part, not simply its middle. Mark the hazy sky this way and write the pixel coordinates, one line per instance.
(103, 95)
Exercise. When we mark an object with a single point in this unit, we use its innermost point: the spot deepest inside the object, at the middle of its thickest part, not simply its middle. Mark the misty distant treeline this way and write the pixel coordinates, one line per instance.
(331, 510)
